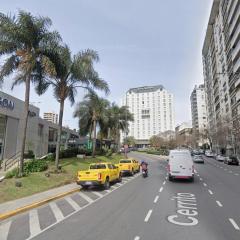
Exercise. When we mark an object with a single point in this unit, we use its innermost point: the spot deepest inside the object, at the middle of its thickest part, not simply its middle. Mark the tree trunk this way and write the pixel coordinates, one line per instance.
(25, 120)
(94, 137)
(59, 133)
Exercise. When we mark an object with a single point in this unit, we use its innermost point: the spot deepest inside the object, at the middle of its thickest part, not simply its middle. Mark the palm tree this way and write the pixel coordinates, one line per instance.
(72, 73)
(92, 112)
(119, 121)
(27, 43)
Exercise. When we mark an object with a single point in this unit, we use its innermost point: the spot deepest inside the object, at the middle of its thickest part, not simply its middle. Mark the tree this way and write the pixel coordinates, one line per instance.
(156, 141)
(92, 112)
(27, 43)
(130, 141)
(119, 118)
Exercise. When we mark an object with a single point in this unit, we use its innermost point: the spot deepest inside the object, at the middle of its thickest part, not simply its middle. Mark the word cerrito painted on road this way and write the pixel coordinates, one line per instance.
(186, 210)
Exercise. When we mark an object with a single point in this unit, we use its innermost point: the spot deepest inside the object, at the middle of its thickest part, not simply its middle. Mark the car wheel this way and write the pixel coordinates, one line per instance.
(170, 178)
(85, 187)
(120, 178)
(107, 184)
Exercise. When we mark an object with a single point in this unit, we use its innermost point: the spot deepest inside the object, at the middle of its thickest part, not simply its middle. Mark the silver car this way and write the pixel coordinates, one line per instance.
(220, 157)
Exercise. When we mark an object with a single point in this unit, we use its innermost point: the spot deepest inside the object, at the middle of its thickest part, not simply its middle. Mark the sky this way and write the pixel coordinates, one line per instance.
(140, 43)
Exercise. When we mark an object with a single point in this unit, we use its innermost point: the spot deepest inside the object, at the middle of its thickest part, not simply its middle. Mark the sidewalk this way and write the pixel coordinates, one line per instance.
(38, 197)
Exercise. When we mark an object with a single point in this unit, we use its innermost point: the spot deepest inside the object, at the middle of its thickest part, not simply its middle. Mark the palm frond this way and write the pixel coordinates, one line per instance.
(9, 67)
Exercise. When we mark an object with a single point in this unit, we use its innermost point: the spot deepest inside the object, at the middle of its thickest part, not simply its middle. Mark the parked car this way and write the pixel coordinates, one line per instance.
(128, 166)
(220, 158)
(233, 160)
(99, 174)
(195, 152)
(209, 154)
(198, 159)
(180, 165)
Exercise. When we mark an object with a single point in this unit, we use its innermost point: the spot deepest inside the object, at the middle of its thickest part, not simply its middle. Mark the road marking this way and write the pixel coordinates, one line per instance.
(225, 169)
(72, 203)
(204, 184)
(236, 174)
(161, 188)
(230, 171)
(56, 211)
(234, 224)
(114, 187)
(164, 182)
(137, 238)
(219, 204)
(200, 179)
(34, 222)
(210, 192)
(84, 196)
(156, 199)
(166, 178)
(108, 191)
(98, 194)
(148, 215)
(4, 229)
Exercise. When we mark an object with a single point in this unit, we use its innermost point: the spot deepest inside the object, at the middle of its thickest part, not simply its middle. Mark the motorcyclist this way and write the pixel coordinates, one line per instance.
(144, 166)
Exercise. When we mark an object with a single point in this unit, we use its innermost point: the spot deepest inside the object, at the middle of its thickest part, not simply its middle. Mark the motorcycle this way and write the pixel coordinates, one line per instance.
(144, 173)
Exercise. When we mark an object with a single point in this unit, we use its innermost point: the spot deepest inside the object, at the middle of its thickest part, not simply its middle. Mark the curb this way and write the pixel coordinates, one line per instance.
(36, 204)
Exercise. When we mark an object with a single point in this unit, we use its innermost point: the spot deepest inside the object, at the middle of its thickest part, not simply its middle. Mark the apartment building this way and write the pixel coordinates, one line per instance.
(199, 114)
(51, 117)
(221, 67)
(153, 110)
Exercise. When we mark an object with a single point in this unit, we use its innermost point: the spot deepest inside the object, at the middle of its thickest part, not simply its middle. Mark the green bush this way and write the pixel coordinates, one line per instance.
(35, 166)
(109, 153)
(12, 173)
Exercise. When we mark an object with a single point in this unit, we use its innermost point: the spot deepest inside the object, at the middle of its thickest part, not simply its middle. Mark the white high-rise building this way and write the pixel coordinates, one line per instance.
(152, 108)
(221, 67)
(51, 117)
(199, 112)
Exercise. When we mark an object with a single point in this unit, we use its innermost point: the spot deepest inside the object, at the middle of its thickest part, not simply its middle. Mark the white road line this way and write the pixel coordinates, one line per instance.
(234, 224)
(34, 222)
(210, 191)
(225, 169)
(156, 199)
(108, 191)
(236, 174)
(74, 205)
(84, 196)
(148, 215)
(4, 229)
(166, 178)
(161, 188)
(164, 182)
(200, 179)
(230, 171)
(56, 211)
(204, 184)
(137, 238)
(114, 187)
(219, 204)
(98, 194)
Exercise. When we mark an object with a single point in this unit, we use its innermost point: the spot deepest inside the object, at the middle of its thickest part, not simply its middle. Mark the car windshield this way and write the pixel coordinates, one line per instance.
(98, 166)
(125, 161)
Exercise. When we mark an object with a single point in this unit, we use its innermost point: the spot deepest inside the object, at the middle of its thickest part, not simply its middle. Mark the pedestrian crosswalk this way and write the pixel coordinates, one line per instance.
(46, 216)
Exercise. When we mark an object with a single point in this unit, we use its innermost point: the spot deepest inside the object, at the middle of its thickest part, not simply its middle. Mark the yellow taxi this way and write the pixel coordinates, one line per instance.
(128, 166)
(99, 174)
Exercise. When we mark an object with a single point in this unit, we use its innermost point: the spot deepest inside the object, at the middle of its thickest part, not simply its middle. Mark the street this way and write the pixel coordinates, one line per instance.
(151, 208)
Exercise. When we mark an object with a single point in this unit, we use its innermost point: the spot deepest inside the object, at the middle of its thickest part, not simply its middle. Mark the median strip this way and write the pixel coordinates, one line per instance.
(36, 204)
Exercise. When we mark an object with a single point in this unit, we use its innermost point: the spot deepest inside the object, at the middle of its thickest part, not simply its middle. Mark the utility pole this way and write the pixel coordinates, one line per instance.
(125, 142)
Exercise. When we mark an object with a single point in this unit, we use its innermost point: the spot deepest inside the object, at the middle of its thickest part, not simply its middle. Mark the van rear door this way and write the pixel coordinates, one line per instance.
(181, 164)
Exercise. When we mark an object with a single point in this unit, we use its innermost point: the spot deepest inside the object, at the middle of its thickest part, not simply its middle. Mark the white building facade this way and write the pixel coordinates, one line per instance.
(153, 111)
(221, 67)
(199, 113)
(51, 117)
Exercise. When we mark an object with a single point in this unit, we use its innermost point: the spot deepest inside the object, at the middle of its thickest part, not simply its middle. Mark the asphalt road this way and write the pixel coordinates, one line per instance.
(144, 209)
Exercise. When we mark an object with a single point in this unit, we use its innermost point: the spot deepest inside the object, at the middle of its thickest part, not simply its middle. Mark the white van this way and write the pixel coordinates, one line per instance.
(180, 165)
